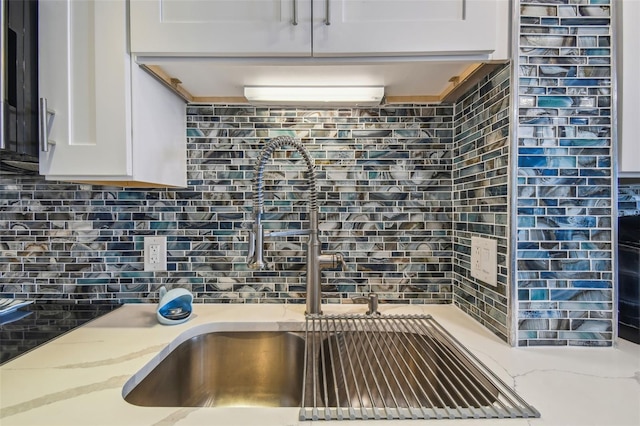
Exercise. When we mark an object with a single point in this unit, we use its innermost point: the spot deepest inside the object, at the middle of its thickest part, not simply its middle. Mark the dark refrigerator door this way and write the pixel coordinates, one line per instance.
(629, 278)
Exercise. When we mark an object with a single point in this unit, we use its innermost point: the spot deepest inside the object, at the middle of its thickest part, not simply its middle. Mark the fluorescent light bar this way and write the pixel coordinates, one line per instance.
(314, 95)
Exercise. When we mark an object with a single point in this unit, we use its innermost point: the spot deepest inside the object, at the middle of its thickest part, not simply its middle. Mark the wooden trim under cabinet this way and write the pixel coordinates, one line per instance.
(457, 87)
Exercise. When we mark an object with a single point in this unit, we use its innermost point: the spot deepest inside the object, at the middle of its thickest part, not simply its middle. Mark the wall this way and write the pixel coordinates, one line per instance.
(385, 201)
(564, 174)
(482, 141)
(397, 199)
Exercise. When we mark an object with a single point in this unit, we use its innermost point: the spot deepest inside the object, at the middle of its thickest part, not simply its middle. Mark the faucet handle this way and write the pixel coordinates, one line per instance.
(372, 302)
(254, 257)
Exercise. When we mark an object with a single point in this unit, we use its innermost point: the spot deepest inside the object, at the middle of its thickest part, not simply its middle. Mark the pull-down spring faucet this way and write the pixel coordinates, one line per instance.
(316, 261)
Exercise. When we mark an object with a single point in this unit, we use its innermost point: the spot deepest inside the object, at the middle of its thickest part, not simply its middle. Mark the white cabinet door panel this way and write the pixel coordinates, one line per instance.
(221, 27)
(114, 124)
(81, 76)
(406, 27)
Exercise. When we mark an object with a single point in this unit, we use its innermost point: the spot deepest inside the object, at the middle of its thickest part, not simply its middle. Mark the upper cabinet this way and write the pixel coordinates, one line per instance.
(103, 119)
(220, 27)
(409, 27)
(628, 46)
(317, 28)
(414, 48)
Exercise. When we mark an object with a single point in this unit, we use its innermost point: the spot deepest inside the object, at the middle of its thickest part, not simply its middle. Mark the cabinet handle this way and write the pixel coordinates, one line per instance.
(45, 122)
(3, 71)
(327, 16)
(295, 13)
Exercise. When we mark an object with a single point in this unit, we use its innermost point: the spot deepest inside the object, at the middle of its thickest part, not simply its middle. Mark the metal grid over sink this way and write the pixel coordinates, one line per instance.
(397, 367)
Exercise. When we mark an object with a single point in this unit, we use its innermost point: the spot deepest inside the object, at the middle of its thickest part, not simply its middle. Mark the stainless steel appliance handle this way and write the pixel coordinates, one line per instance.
(295, 13)
(327, 16)
(45, 121)
(3, 71)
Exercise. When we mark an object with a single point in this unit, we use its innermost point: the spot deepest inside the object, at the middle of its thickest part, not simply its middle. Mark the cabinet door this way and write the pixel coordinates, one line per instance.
(83, 73)
(411, 27)
(221, 27)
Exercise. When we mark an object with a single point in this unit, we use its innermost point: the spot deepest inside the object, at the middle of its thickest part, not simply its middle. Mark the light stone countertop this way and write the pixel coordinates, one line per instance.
(78, 378)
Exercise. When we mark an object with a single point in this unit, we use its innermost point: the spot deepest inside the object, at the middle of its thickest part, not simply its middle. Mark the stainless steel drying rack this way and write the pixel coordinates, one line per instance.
(397, 367)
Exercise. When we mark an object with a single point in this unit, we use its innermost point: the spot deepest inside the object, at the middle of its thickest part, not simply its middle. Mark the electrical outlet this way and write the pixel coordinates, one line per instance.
(484, 260)
(155, 253)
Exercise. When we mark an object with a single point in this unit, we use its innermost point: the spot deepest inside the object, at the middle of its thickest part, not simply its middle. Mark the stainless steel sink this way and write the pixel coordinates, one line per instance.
(340, 367)
(223, 369)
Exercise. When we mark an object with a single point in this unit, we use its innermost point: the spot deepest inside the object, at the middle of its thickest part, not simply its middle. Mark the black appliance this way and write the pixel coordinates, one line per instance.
(19, 86)
(629, 278)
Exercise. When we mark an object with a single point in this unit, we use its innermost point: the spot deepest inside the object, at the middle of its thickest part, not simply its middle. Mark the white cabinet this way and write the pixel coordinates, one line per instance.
(628, 38)
(221, 27)
(113, 123)
(320, 28)
(411, 28)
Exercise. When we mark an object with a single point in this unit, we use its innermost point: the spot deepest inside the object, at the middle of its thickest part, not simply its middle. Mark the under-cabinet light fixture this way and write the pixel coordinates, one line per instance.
(314, 95)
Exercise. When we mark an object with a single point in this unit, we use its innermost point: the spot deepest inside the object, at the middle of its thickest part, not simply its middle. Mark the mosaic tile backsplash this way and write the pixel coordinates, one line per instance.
(564, 204)
(385, 180)
(384, 194)
(629, 200)
(482, 141)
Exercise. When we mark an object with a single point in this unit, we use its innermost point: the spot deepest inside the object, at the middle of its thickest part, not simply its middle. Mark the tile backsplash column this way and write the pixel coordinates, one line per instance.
(564, 276)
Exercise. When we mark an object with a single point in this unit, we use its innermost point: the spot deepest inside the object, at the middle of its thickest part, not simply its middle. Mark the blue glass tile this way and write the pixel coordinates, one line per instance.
(584, 82)
(597, 52)
(549, 21)
(162, 225)
(531, 151)
(533, 254)
(584, 21)
(191, 132)
(584, 142)
(539, 294)
(592, 284)
(554, 101)
(604, 162)
(550, 314)
(532, 161)
(527, 334)
(540, 161)
(93, 281)
(578, 121)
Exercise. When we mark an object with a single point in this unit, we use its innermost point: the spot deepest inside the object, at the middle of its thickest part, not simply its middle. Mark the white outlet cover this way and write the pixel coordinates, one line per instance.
(155, 253)
(484, 260)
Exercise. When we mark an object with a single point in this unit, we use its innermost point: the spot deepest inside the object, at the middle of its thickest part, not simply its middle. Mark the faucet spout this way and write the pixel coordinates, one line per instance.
(315, 260)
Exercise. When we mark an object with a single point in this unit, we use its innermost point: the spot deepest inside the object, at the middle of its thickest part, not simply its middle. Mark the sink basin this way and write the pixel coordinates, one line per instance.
(332, 368)
(224, 369)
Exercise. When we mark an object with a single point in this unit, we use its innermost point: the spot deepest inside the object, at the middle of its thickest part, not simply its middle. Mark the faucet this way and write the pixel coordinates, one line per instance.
(316, 261)
(371, 300)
